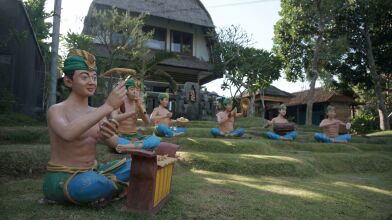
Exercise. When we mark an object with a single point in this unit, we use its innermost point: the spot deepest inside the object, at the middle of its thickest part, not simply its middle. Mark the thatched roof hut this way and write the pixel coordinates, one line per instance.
(188, 11)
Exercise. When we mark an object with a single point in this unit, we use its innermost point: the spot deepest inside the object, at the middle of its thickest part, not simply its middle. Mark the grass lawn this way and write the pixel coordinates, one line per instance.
(252, 178)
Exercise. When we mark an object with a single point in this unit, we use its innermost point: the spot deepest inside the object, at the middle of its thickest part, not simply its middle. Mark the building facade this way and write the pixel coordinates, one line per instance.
(22, 65)
(272, 98)
(296, 107)
(181, 27)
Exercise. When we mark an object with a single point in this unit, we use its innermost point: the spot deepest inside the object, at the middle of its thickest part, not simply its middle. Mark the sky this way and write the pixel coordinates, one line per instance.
(256, 17)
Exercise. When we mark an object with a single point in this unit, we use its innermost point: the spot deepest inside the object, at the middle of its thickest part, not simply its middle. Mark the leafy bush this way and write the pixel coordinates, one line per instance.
(364, 123)
(7, 100)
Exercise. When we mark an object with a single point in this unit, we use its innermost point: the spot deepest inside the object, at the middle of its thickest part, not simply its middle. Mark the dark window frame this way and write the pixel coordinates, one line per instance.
(164, 30)
(181, 42)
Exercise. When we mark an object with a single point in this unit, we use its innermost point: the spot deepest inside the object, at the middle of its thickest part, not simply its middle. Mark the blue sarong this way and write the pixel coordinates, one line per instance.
(163, 130)
(81, 186)
(324, 138)
(274, 136)
(146, 142)
(216, 132)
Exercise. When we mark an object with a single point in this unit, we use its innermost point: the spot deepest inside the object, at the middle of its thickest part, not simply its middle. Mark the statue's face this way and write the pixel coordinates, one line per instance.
(83, 82)
(165, 102)
(331, 114)
(133, 93)
(282, 112)
(229, 107)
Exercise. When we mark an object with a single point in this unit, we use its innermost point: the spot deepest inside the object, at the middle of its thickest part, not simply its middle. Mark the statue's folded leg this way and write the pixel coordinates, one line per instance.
(237, 132)
(272, 135)
(163, 131)
(147, 142)
(322, 138)
(343, 138)
(180, 129)
(291, 135)
(216, 132)
(87, 186)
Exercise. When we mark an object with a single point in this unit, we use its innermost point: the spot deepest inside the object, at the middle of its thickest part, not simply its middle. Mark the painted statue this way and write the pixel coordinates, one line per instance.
(330, 127)
(161, 116)
(73, 173)
(129, 135)
(226, 118)
(281, 128)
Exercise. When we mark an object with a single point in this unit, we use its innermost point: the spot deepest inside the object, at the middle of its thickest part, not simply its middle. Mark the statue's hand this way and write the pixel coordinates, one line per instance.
(169, 115)
(117, 96)
(123, 116)
(107, 129)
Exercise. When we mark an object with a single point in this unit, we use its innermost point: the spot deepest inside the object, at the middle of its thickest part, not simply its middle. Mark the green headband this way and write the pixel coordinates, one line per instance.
(330, 108)
(133, 83)
(79, 60)
(162, 96)
(226, 102)
(282, 107)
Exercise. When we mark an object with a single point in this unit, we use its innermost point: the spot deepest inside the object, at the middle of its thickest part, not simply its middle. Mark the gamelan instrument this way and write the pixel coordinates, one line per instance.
(245, 104)
(150, 179)
(121, 72)
(283, 128)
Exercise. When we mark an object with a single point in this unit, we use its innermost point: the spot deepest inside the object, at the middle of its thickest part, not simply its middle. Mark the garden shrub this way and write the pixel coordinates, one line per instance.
(364, 123)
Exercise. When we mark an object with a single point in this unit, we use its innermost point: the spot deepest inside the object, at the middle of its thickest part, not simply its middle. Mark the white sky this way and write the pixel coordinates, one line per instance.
(256, 17)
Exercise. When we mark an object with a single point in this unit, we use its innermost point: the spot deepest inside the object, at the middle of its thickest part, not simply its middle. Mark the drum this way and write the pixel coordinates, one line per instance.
(182, 122)
(283, 128)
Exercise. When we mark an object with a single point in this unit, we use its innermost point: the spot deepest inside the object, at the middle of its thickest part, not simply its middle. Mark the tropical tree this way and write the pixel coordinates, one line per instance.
(367, 62)
(125, 43)
(305, 41)
(245, 69)
(37, 15)
(227, 43)
(259, 68)
(81, 41)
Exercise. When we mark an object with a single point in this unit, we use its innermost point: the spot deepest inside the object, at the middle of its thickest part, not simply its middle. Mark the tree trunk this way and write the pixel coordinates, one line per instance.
(252, 105)
(315, 65)
(262, 113)
(382, 112)
(309, 103)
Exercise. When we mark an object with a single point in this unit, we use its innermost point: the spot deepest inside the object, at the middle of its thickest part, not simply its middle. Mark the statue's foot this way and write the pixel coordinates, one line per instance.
(101, 203)
(178, 134)
(121, 148)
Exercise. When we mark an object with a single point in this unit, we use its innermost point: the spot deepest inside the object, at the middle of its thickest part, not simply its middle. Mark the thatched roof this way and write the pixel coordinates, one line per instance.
(272, 91)
(189, 11)
(320, 95)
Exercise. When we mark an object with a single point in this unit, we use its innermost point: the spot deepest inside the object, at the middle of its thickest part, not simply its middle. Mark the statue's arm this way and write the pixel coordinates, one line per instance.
(69, 131)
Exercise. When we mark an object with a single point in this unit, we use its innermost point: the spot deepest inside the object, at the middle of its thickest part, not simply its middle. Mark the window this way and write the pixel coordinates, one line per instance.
(181, 42)
(116, 39)
(158, 40)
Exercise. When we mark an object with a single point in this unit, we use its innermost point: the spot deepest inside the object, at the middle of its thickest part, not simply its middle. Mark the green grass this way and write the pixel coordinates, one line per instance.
(380, 133)
(205, 195)
(216, 178)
